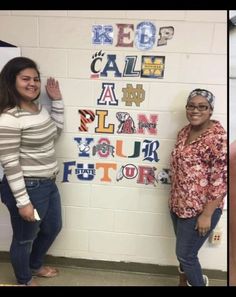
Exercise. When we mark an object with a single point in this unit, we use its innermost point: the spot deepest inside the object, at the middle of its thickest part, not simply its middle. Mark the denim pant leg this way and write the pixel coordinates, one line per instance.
(188, 244)
(49, 209)
(24, 233)
(31, 240)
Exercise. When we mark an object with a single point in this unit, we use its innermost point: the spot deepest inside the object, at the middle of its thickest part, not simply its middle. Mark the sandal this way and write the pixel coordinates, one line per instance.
(46, 271)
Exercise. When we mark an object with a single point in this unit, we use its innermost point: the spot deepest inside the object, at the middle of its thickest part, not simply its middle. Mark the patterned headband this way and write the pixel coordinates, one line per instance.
(204, 93)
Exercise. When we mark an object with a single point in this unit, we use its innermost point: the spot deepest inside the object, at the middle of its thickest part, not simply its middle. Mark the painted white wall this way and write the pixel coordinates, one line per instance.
(122, 222)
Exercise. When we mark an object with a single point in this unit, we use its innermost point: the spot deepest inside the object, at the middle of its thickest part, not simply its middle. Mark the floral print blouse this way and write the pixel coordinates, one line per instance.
(198, 171)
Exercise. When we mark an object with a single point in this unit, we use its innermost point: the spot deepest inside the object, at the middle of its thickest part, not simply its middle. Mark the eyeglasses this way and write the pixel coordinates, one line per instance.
(198, 107)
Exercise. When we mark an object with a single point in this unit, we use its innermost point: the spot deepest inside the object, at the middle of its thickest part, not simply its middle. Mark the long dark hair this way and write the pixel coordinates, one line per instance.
(9, 96)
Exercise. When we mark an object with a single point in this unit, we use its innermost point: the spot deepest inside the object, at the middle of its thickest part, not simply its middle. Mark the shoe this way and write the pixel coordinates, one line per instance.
(31, 283)
(206, 281)
(46, 271)
(182, 278)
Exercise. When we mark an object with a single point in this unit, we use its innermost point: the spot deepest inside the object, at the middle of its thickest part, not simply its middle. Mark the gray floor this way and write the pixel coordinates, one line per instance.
(94, 277)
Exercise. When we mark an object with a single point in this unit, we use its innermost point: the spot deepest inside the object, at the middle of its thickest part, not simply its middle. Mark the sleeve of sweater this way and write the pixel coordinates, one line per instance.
(218, 172)
(10, 139)
(57, 114)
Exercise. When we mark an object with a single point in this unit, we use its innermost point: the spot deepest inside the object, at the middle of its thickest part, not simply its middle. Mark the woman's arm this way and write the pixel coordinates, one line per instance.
(217, 187)
(10, 141)
(57, 110)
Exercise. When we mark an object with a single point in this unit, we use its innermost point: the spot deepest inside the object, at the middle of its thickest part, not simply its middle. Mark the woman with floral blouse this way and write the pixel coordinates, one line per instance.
(198, 184)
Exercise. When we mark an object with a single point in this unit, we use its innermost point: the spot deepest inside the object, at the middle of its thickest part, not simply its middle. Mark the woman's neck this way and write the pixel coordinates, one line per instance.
(196, 131)
(201, 128)
(29, 106)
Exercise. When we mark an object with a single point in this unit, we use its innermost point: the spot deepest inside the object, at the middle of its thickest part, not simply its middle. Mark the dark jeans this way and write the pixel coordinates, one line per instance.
(188, 244)
(31, 240)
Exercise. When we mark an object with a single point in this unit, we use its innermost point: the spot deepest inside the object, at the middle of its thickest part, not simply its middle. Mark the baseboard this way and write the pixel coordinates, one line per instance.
(119, 266)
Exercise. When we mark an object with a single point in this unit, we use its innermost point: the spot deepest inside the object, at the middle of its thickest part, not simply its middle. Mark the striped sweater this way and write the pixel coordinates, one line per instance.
(27, 146)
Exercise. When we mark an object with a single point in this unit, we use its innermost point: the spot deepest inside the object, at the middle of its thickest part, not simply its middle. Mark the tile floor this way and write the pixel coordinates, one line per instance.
(71, 276)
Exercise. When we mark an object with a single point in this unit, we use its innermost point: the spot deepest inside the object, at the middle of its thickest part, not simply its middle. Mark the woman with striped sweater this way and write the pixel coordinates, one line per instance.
(27, 155)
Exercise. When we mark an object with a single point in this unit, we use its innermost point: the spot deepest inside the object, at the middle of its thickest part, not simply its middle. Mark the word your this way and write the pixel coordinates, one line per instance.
(104, 148)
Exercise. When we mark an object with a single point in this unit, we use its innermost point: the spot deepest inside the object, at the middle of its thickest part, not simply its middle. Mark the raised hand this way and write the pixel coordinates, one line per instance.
(53, 89)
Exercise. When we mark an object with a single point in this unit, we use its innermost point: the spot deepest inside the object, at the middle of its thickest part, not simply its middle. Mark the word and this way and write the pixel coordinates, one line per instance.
(131, 95)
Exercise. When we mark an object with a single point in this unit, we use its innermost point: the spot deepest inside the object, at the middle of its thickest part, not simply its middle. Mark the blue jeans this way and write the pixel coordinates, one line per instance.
(188, 244)
(31, 240)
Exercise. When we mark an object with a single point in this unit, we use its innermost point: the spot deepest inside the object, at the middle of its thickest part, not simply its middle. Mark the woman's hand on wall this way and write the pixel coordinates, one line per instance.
(53, 89)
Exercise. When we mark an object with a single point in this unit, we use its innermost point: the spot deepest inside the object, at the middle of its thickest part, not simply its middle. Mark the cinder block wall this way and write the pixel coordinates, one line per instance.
(124, 220)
